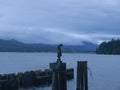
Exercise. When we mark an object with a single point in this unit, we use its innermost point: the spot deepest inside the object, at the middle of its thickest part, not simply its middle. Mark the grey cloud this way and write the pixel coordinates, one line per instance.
(53, 35)
(1, 15)
(27, 20)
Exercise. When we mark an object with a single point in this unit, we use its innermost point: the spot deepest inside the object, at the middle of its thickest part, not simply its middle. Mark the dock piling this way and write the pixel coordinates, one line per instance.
(82, 75)
(58, 76)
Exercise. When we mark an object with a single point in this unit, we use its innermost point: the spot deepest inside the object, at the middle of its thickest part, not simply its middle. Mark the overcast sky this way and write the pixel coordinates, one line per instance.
(60, 21)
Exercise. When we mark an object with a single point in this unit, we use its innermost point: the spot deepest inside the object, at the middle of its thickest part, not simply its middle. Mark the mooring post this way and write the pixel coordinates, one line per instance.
(58, 76)
(58, 73)
(82, 75)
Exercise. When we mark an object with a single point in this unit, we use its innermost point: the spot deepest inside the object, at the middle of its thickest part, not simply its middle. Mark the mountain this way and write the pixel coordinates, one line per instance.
(17, 46)
(86, 47)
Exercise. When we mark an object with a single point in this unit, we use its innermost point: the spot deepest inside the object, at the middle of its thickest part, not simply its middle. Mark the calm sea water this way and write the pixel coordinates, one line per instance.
(105, 68)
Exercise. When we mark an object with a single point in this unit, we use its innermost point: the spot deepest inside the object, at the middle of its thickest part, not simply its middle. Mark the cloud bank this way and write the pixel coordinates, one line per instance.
(60, 21)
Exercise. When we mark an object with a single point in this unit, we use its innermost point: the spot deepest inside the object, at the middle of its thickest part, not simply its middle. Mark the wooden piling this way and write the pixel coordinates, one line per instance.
(82, 75)
(70, 74)
(9, 82)
(35, 78)
(58, 76)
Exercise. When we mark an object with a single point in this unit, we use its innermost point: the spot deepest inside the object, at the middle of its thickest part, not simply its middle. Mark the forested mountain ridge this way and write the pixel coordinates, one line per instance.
(110, 47)
(17, 46)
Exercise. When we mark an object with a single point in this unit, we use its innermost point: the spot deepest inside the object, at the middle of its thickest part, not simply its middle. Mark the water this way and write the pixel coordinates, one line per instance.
(105, 68)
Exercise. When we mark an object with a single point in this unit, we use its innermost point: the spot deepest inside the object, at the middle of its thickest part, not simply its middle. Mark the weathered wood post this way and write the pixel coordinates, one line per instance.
(58, 73)
(82, 75)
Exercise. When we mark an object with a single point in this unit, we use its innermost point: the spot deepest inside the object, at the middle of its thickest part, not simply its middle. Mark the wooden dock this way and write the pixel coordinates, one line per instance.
(29, 79)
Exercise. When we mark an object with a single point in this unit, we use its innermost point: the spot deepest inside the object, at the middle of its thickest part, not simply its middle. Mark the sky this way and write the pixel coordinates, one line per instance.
(60, 21)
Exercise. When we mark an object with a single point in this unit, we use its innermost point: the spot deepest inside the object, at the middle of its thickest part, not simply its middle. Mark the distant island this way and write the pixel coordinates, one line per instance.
(17, 46)
(110, 47)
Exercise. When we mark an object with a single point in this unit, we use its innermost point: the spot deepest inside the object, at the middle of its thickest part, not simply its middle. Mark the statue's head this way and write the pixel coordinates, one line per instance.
(60, 45)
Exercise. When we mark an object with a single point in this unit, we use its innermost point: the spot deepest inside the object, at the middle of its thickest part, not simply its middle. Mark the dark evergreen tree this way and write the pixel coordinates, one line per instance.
(110, 47)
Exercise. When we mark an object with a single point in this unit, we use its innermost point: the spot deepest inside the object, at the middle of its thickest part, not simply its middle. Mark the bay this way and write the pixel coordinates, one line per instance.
(105, 68)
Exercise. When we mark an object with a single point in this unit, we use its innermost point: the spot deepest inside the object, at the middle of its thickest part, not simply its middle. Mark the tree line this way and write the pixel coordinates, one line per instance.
(110, 47)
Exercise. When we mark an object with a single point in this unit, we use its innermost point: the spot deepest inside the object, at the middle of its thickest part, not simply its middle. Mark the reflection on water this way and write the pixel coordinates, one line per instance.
(69, 85)
(38, 88)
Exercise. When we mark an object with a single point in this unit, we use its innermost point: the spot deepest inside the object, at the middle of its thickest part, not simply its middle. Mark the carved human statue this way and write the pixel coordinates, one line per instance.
(59, 52)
